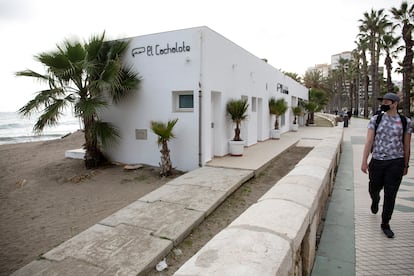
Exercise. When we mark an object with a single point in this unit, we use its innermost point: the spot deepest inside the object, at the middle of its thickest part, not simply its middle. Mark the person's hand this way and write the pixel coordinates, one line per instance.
(405, 170)
(364, 167)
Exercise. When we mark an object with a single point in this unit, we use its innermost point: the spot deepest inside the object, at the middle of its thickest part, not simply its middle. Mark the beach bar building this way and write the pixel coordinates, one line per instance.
(191, 74)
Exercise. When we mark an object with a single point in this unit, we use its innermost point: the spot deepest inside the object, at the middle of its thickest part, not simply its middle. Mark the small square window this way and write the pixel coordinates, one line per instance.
(186, 101)
(183, 101)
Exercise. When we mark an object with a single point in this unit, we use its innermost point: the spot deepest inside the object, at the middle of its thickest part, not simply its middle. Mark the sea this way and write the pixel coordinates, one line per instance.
(17, 129)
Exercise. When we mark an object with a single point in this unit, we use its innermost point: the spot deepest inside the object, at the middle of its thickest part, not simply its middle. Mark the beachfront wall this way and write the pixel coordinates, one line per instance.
(201, 66)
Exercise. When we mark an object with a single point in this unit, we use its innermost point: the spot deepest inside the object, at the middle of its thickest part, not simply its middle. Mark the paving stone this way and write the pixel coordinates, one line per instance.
(123, 249)
(168, 220)
(241, 251)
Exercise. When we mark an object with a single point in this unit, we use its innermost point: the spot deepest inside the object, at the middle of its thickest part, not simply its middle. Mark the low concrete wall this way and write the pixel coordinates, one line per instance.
(276, 235)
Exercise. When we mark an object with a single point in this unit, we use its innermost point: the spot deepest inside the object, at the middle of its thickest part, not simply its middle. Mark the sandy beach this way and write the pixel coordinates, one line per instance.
(45, 198)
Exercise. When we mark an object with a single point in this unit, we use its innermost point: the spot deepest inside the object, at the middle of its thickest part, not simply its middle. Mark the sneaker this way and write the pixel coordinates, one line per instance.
(374, 207)
(387, 230)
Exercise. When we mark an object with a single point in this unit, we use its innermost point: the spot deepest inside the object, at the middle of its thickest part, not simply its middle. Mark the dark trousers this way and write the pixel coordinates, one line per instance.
(385, 174)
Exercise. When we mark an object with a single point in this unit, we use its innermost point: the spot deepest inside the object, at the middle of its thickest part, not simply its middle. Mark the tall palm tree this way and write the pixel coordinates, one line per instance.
(404, 16)
(317, 101)
(389, 42)
(372, 26)
(313, 79)
(86, 77)
(362, 47)
(165, 134)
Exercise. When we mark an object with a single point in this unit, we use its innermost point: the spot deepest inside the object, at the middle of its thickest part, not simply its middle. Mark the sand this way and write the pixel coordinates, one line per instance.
(45, 198)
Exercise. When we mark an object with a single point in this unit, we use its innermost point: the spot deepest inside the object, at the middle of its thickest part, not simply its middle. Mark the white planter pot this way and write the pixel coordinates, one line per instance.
(295, 127)
(236, 148)
(275, 133)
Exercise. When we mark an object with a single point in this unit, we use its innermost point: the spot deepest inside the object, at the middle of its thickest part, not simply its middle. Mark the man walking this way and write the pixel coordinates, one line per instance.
(389, 137)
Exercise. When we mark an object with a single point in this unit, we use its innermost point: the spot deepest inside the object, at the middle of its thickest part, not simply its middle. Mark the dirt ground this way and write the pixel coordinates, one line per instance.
(45, 199)
(231, 208)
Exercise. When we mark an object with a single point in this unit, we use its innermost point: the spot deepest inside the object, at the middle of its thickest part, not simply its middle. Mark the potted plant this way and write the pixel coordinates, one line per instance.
(297, 111)
(277, 108)
(237, 109)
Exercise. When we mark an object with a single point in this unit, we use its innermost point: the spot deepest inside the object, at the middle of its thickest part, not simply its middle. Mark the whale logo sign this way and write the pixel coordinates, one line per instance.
(137, 51)
(162, 50)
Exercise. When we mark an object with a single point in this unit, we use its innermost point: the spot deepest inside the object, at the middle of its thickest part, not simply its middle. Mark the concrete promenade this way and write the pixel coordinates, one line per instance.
(352, 242)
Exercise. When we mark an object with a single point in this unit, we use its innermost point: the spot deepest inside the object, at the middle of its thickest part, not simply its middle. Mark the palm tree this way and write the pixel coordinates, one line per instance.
(86, 77)
(297, 111)
(294, 76)
(313, 78)
(404, 18)
(373, 26)
(277, 108)
(237, 109)
(164, 132)
(317, 101)
(362, 47)
(389, 42)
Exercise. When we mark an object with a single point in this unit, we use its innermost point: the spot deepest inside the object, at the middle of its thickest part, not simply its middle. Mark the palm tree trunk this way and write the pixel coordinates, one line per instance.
(388, 65)
(407, 69)
(166, 166)
(93, 156)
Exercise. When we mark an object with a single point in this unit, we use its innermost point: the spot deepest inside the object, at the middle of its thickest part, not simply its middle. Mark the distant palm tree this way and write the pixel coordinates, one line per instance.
(405, 20)
(317, 101)
(389, 42)
(362, 47)
(373, 26)
(87, 77)
(165, 134)
(294, 76)
(278, 108)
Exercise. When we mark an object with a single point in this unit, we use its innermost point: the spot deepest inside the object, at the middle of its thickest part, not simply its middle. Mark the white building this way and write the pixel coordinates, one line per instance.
(190, 74)
(347, 55)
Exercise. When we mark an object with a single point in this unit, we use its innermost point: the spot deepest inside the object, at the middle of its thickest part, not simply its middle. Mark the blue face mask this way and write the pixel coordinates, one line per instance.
(385, 107)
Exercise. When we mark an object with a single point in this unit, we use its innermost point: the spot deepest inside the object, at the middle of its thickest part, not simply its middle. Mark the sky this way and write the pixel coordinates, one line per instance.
(291, 35)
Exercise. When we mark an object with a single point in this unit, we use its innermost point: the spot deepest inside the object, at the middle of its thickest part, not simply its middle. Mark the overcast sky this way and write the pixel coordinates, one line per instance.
(292, 35)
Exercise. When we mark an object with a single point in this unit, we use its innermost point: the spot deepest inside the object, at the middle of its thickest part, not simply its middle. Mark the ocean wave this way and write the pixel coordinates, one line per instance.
(32, 138)
(15, 129)
(15, 125)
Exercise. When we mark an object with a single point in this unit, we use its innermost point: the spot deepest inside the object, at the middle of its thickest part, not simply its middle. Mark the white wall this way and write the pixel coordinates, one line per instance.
(217, 67)
(161, 74)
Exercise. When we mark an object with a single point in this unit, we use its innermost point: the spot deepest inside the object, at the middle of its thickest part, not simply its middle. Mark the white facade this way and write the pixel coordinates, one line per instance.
(335, 59)
(199, 62)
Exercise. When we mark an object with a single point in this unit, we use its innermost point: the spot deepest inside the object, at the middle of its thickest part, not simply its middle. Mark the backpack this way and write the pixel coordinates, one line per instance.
(403, 121)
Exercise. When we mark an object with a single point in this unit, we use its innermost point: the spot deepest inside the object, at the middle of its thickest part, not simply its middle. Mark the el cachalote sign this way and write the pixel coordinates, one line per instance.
(159, 50)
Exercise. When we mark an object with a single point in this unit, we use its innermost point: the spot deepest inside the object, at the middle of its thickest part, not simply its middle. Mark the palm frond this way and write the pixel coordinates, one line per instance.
(50, 115)
(277, 106)
(106, 132)
(43, 99)
(237, 109)
(89, 107)
(163, 130)
(32, 74)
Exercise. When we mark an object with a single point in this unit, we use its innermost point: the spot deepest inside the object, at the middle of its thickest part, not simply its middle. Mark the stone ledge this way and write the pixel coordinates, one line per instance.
(290, 211)
(241, 251)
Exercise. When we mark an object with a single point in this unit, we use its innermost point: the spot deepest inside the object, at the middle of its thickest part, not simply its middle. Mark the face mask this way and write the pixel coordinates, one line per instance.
(385, 107)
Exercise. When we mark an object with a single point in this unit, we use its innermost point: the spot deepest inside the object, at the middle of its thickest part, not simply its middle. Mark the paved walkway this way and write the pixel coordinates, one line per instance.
(352, 242)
